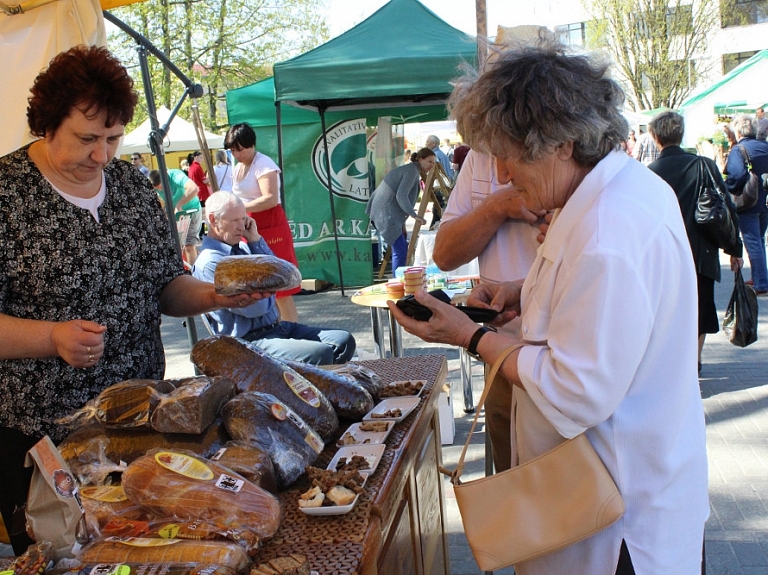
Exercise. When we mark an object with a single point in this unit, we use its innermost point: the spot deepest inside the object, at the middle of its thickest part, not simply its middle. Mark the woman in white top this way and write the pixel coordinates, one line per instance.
(223, 171)
(256, 181)
(609, 315)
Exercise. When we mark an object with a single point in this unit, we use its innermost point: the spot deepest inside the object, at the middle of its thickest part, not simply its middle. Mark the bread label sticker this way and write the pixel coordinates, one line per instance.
(106, 493)
(278, 411)
(302, 388)
(184, 465)
(229, 483)
(109, 569)
(311, 436)
(143, 541)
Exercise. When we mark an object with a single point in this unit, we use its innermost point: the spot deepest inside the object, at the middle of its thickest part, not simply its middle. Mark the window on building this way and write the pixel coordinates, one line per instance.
(572, 34)
(730, 61)
(744, 12)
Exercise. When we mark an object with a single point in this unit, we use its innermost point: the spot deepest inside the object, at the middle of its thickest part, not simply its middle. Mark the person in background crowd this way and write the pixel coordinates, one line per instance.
(491, 222)
(138, 163)
(185, 203)
(459, 155)
(198, 175)
(631, 141)
(645, 149)
(223, 171)
(762, 124)
(87, 268)
(256, 181)
(184, 166)
(393, 200)
(433, 143)
(753, 222)
(260, 323)
(681, 171)
(607, 309)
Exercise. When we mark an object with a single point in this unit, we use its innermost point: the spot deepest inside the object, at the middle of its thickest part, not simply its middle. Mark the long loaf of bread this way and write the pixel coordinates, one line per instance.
(185, 485)
(136, 550)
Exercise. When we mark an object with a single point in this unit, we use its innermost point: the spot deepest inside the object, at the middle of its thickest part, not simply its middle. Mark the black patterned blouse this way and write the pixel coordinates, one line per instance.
(57, 263)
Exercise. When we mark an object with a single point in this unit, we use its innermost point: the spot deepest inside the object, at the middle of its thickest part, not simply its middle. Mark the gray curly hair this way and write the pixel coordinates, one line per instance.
(537, 97)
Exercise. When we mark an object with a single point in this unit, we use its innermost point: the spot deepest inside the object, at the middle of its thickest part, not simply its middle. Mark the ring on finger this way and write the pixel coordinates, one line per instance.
(88, 351)
(91, 358)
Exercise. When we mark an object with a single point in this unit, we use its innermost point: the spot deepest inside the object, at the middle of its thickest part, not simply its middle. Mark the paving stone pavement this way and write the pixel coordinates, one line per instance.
(734, 386)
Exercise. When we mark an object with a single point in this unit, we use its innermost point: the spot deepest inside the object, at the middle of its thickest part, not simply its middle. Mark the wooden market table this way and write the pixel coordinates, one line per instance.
(398, 524)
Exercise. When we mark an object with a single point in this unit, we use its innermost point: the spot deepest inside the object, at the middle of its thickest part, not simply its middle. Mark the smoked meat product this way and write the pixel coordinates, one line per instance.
(253, 370)
(193, 405)
(138, 550)
(248, 274)
(348, 397)
(263, 419)
(184, 485)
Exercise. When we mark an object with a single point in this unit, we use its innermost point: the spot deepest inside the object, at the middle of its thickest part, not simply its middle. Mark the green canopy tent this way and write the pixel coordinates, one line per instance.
(397, 64)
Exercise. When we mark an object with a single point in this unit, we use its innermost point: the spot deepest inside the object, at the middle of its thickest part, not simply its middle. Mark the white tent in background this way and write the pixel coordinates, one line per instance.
(181, 136)
(740, 91)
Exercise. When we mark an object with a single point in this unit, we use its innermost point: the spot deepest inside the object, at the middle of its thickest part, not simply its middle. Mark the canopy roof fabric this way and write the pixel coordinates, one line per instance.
(181, 136)
(740, 91)
(402, 53)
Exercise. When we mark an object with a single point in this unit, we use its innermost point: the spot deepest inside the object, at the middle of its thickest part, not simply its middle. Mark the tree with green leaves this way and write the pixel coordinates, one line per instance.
(220, 44)
(656, 45)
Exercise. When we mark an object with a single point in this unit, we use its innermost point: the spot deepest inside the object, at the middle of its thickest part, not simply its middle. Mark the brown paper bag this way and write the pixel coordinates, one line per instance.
(53, 504)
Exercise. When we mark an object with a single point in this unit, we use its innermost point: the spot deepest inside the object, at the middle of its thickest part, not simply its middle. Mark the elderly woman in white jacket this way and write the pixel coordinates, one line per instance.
(608, 309)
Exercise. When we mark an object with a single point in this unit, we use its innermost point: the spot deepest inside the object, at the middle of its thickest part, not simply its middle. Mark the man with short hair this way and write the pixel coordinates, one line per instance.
(185, 202)
(762, 124)
(260, 323)
(138, 163)
(645, 149)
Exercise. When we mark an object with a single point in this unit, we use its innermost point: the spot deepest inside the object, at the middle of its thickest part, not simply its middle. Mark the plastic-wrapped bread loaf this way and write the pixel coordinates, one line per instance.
(139, 550)
(143, 569)
(193, 405)
(247, 274)
(349, 398)
(261, 419)
(250, 461)
(254, 370)
(185, 485)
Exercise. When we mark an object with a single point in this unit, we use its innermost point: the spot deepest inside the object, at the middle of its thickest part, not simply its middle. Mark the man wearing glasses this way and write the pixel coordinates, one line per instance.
(138, 162)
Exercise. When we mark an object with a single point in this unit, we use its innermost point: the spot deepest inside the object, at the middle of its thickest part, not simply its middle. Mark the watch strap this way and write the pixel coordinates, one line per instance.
(475, 340)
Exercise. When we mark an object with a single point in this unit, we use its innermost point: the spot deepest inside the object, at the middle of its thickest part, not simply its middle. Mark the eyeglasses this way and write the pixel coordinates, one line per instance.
(134, 159)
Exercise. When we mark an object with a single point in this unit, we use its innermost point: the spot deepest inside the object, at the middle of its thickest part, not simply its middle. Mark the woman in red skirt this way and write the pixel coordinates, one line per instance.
(256, 181)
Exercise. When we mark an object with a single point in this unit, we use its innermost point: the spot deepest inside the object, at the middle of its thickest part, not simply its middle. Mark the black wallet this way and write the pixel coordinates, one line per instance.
(414, 309)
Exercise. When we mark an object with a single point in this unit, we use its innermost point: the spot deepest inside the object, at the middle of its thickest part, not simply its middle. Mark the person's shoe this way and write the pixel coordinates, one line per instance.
(749, 282)
(761, 292)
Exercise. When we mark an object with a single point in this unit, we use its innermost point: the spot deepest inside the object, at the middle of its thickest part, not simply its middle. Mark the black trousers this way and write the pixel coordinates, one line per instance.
(14, 485)
(625, 561)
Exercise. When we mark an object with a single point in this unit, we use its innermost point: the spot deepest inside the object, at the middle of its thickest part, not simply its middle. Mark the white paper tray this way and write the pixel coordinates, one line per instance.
(362, 437)
(405, 404)
(372, 454)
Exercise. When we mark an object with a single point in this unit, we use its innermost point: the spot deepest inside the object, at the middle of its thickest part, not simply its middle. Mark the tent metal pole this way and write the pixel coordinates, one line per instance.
(321, 109)
(157, 134)
(279, 117)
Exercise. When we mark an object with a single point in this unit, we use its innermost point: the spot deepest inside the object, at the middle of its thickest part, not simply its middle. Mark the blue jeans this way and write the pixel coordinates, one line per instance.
(399, 253)
(299, 342)
(753, 228)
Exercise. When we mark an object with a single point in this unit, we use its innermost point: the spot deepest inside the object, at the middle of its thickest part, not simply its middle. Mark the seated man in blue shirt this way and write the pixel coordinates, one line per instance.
(260, 323)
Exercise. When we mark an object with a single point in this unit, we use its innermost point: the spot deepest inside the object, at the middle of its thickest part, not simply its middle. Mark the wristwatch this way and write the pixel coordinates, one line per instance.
(472, 347)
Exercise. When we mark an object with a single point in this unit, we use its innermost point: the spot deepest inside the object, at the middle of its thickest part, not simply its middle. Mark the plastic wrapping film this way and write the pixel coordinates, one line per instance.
(248, 274)
(253, 370)
(185, 485)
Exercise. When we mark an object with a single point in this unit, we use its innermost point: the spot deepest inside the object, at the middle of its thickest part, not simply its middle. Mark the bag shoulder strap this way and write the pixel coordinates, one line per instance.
(745, 155)
(456, 473)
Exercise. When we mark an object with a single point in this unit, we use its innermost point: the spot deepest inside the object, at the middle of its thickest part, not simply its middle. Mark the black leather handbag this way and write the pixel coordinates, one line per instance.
(748, 197)
(712, 214)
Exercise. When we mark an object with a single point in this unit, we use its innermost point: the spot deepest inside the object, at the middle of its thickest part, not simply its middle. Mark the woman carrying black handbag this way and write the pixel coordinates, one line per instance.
(683, 172)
